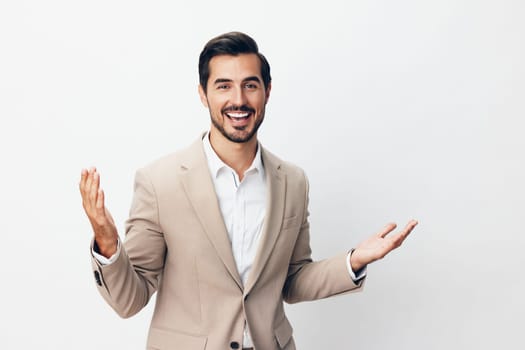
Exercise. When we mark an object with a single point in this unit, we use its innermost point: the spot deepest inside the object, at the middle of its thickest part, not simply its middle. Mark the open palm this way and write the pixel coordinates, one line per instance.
(379, 245)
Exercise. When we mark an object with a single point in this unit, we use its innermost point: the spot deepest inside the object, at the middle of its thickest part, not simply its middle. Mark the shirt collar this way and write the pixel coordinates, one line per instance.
(216, 164)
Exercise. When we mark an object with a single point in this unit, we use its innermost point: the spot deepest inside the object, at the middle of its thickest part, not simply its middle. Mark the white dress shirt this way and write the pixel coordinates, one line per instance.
(242, 204)
(243, 208)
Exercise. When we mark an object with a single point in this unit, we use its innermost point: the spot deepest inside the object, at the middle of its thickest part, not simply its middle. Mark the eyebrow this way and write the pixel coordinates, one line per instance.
(224, 80)
(252, 78)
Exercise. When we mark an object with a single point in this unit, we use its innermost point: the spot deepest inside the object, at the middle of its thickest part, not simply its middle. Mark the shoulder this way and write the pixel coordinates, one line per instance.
(170, 164)
(273, 163)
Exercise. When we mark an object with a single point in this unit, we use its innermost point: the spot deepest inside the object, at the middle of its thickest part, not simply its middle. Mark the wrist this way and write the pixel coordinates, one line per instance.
(355, 262)
(106, 248)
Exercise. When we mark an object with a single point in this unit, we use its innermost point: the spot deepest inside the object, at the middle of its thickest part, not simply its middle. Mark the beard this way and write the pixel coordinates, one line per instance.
(241, 135)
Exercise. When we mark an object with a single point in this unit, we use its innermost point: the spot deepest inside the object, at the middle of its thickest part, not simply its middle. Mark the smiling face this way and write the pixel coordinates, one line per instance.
(235, 96)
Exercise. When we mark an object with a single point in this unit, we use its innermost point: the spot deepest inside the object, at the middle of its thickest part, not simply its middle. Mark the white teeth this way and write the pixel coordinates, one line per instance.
(237, 115)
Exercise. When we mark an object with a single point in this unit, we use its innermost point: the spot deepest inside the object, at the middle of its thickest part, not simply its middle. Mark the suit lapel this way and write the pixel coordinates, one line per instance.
(276, 182)
(200, 191)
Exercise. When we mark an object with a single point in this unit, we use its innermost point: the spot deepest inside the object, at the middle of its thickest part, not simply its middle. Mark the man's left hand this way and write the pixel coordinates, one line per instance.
(379, 245)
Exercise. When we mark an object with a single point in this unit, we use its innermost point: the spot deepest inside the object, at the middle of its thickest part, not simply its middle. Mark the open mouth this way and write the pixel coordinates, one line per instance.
(238, 115)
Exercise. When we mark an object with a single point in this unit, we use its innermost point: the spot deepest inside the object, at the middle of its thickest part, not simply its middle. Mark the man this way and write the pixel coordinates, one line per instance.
(220, 230)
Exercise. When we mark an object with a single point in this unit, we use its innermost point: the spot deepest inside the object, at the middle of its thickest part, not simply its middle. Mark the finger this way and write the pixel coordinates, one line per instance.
(408, 228)
(388, 228)
(101, 212)
(83, 177)
(93, 189)
(398, 239)
(89, 180)
(86, 181)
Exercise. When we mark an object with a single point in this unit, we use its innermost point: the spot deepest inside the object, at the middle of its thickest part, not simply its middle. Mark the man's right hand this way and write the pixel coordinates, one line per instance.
(106, 236)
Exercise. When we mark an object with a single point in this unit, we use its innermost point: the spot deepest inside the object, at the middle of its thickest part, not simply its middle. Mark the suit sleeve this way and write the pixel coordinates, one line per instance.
(308, 280)
(129, 282)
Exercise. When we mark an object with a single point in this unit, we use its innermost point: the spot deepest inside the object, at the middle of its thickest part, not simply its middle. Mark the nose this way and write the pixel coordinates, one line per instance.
(238, 97)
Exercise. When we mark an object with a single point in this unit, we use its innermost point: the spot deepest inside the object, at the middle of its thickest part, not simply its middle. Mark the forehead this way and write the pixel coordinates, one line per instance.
(234, 67)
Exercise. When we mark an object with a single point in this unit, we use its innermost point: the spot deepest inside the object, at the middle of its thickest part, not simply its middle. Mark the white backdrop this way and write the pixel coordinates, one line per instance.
(395, 109)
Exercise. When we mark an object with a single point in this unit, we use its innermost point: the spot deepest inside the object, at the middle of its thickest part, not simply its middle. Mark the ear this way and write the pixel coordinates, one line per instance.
(202, 95)
(268, 92)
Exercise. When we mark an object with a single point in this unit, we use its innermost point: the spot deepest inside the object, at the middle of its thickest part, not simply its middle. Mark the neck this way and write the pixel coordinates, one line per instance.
(238, 156)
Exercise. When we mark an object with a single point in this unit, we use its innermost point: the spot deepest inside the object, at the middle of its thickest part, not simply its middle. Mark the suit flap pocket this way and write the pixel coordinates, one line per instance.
(168, 339)
(291, 222)
(283, 332)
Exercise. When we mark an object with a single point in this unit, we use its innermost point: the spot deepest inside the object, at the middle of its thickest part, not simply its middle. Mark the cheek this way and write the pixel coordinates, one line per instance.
(260, 104)
(256, 101)
(215, 104)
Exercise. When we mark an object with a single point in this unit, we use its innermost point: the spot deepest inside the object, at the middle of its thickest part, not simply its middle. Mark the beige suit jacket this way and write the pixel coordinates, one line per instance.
(177, 245)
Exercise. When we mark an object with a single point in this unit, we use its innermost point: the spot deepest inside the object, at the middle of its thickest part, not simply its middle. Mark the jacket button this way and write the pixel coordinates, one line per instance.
(97, 278)
(234, 345)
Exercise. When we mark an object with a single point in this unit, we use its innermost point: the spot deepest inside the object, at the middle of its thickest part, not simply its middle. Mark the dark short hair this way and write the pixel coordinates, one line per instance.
(233, 43)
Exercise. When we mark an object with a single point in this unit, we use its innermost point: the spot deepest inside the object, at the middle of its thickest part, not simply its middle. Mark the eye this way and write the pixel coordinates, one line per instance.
(251, 86)
(222, 87)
